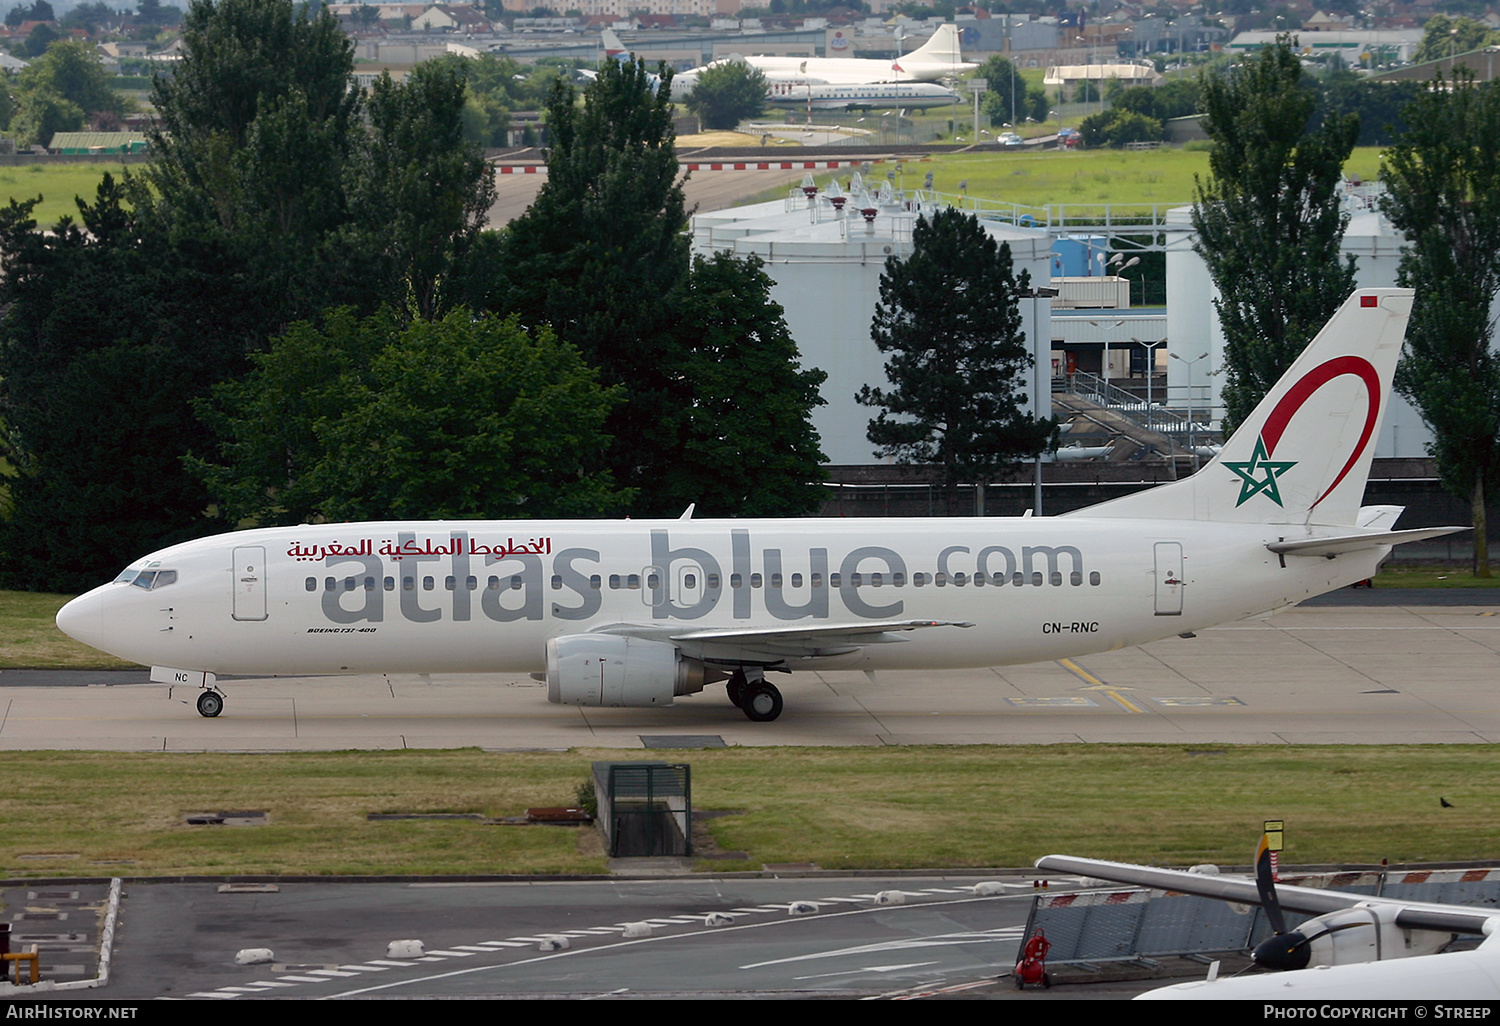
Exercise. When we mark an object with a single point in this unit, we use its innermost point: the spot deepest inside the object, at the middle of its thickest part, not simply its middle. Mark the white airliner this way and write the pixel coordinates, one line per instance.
(935, 59)
(823, 96)
(1357, 947)
(640, 612)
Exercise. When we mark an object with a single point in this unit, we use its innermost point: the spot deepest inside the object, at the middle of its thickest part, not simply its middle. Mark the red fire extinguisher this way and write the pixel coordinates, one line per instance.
(1032, 968)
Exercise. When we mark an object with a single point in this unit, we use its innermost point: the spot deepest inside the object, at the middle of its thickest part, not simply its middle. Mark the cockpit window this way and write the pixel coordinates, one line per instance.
(151, 580)
(127, 575)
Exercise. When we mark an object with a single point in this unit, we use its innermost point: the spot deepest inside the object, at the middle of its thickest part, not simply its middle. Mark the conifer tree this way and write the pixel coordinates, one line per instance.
(949, 319)
(1443, 193)
(1268, 220)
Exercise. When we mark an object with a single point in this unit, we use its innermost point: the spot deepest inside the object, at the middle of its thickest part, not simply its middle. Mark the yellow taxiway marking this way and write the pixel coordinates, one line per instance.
(1096, 684)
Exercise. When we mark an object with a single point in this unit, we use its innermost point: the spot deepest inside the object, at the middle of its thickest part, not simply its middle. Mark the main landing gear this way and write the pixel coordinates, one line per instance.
(210, 703)
(755, 697)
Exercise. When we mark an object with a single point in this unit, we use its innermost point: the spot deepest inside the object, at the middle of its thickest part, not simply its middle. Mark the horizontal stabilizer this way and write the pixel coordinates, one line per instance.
(1340, 544)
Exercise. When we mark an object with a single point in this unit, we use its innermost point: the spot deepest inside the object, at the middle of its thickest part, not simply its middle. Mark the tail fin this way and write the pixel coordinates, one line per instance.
(1303, 455)
(613, 48)
(943, 47)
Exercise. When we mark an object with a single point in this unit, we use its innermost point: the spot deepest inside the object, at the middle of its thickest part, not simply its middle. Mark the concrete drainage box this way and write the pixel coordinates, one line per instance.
(645, 808)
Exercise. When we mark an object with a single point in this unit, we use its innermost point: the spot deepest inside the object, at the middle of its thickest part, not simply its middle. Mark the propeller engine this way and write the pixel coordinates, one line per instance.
(1367, 932)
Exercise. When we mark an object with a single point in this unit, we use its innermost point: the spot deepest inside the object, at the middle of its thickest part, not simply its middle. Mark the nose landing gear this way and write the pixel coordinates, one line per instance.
(210, 703)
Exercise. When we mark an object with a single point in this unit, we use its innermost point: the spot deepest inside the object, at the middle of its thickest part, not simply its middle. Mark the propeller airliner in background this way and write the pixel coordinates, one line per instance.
(1357, 947)
(642, 612)
(934, 60)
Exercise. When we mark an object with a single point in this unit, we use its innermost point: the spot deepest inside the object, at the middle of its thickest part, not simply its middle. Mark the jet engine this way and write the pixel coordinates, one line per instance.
(616, 670)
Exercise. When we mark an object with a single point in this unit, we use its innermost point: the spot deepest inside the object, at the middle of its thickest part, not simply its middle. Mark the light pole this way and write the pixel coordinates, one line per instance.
(1036, 378)
(1192, 425)
(1125, 266)
(1104, 366)
(977, 86)
(1150, 348)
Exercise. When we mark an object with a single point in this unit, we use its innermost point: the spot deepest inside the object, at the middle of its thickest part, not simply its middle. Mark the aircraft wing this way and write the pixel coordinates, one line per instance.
(775, 644)
(1354, 542)
(1307, 900)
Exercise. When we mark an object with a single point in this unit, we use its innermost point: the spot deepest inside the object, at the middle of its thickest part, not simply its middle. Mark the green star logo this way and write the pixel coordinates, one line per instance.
(1259, 475)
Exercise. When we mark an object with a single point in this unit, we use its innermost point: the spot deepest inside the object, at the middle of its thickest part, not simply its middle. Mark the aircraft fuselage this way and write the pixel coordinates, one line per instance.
(487, 596)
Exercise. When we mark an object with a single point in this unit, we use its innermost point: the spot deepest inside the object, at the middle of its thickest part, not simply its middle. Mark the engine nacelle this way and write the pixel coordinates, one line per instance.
(616, 670)
(1366, 933)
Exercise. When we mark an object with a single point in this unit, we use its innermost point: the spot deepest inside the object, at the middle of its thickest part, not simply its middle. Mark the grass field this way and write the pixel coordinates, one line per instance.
(1415, 576)
(1029, 179)
(81, 813)
(1044, 177)
(57, 184)
(29, 638)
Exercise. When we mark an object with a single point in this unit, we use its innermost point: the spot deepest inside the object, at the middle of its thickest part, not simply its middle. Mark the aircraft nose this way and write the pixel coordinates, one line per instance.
(82, 619)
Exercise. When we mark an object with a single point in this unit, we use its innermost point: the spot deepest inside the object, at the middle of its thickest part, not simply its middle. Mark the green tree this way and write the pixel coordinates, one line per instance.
(948, 317)
(42, 115)
(88, 16)
(418, 193)
(1443, 193)
(733, 432)
(254, 132)
(1177, 98)
(1267, 219)
(1004, 82)
(99, 368)
(1115, 128)
(726, 94)
(598, 251)
(464, 417)
(62, 89)
(243, 60)
(252, 220)
(1381, 105)
(41, 37)
(489, 79)
(1443, 37)
(602, 247)
(156, 13)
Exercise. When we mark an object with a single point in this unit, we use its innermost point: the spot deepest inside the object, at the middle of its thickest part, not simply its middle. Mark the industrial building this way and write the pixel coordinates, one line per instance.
(826, 248)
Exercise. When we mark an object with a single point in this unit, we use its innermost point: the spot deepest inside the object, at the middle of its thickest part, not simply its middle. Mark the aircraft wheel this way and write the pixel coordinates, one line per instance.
(761, 702)
(1020, 983)
(210, 704)
(735, 687)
